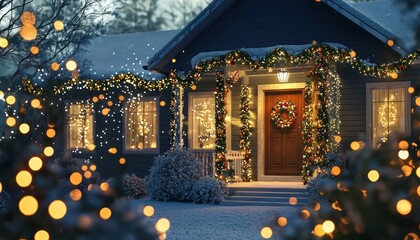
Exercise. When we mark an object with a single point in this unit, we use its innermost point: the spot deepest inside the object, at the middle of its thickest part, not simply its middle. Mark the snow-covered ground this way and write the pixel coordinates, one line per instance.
(200, 221)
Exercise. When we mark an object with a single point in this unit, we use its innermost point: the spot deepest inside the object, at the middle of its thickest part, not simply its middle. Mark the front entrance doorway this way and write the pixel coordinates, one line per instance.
(283, 146)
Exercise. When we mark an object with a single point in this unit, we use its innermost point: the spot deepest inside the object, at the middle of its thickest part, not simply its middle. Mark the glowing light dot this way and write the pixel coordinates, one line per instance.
(403, 154)
(10, 100)
(266, 232)
(410, 90)
(105, 213)
(112, 150)
(355, 146)
(148, 211)
(24, 128)
(34, 50)
(91, 147)
(28, 205)
(28, 32)
(95, 99)
(88, 174)
(404, 207)
(1, 187)
(84, 222)
(57, 209)
(163, 225)
(35, 163)
(50, 133)
(194, 87)
(337, 139)
(42, 235)
(328, 226)
(418, 190)
(28, 18)
(104, 186)
(2, 95)
(418, 172)
(35, 103)
(71, 65)
(335, 170)
(121, 98)
(105, 111)
(76, 195)
(84, 168)
(55, 66)
(319, 231)
(373, 175)
(11, 121)
(173, 60)
(407, 170)
(24, 178)
(101, 96)
(3, 42)
(353, 54)
(76, 178)
(394, 75)
(282, 221)
(58, 25)
(110, 103)
(92, 167)
(293, 201)
(403, 145)
(162, 103)
(48, 151)
(317, 206)
(390, 42)
(122, 161)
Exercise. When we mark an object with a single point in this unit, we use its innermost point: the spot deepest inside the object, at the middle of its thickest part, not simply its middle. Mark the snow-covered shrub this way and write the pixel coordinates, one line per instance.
(173, 175)
(315, 186)
(208, 190)
(5, 201)
(334, 159)
(134, 187)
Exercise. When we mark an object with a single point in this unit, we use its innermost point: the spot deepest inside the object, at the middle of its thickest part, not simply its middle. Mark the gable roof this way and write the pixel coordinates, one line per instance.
(356, 13)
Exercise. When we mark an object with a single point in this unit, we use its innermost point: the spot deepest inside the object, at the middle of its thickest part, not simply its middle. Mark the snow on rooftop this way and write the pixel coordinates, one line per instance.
(258, 53)
(122, 53)
(388, 14)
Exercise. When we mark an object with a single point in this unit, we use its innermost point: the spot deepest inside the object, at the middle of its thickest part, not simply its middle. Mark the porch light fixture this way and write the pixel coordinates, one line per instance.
(283, 75)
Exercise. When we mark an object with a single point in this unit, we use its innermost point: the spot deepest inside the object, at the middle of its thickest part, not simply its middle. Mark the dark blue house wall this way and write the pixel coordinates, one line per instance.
(281, 22)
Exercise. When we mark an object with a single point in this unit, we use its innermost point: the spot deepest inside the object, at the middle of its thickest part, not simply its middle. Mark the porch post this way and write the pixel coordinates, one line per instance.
(220, 120)
(173, 122)
(181, 116)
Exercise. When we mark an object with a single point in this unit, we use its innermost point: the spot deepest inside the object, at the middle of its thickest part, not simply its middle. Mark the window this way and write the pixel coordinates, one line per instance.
(389, 111)
(141, 125)
(202, 133)
(79, 125)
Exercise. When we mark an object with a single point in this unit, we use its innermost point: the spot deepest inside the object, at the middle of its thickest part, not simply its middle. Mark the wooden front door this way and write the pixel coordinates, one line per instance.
(283, 146)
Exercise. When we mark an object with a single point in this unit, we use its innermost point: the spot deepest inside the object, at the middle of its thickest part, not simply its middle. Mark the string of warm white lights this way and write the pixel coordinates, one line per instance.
(307, 133)
(220, 148)
(245, 133)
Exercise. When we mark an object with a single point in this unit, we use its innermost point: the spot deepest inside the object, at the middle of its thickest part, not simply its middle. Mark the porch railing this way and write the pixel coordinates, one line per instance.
(234, 159)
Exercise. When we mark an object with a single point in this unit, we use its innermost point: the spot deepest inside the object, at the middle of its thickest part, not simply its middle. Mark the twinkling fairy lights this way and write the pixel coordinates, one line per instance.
(245, 133)
(220, 112)
(307, 133)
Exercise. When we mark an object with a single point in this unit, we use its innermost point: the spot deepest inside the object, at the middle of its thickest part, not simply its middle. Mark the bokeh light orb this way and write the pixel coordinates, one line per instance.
(34, 50)
(91, 147)
(293, 201)
(328, 226)
(92, 167)
(10, 100)
(55, 66)
(403, 145)
(28, 32)
(121, 98)
(88, 174)
(122, 161)
(57, 209)
(50, 133)
(163, 225)
(148, 211)
(1, 187)
(353, 54)
(3, 42)
(48, 151)
(71, 65)
(266, 232)
(410, 90)
(35, 163)
(162, 103)
(42, 235)
(76, 178)
(104, 186)
(335, 170)
(28, 205)
(373, 175)
(58, 25)
(404, 207)
(319, 231)
(24, 128)
(35, 103)
(24, 178)
(282, 221)
(105, 213)
(391, 42)
(75, 194)
(355, 145)
(28, 18)
(403, 154)
(11, 121)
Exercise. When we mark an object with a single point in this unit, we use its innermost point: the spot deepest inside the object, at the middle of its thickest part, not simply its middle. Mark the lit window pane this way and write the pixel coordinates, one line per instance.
(388, 111)
(79, 125)
(203, 122)
(141, 125)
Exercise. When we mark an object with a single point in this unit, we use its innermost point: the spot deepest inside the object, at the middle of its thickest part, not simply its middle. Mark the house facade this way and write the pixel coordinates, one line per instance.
(368, 109)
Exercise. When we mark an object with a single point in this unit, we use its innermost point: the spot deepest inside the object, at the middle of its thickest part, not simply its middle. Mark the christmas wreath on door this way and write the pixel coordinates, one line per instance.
(284, 106)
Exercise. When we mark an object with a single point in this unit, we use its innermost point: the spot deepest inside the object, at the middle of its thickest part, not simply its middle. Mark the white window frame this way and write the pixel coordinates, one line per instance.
(146, 150)
(369, 104)
(83, 149)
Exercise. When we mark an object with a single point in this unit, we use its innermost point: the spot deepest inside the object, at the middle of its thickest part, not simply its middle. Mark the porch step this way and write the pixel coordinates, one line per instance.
(260, 196)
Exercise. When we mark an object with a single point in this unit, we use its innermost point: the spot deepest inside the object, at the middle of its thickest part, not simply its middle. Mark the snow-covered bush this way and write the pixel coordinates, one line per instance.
(5, 202)
(134, 187)
(208, 190)
(315, 186)
(173, 175)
